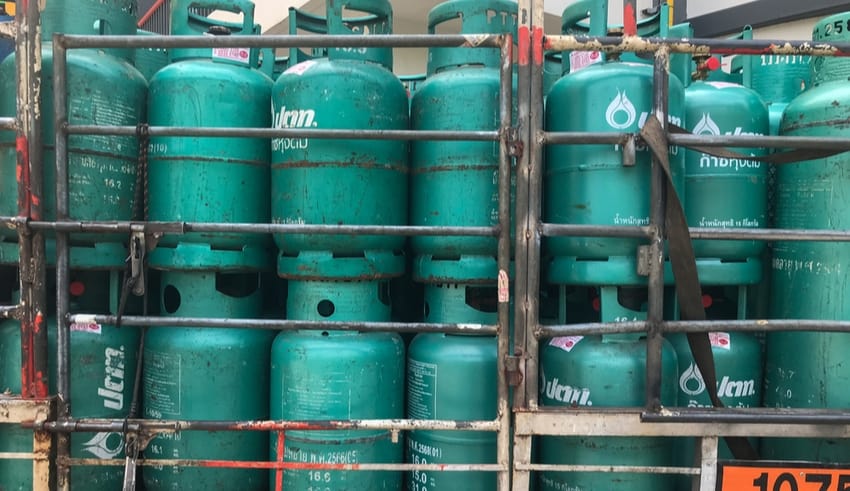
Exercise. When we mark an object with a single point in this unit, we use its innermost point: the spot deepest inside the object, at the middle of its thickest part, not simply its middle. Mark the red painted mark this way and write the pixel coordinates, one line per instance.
(523, 41)
(278, 475)
(23, 173)
(707, 301)
(39, 322)
(537, 46)
(41, 389)
(629, 20)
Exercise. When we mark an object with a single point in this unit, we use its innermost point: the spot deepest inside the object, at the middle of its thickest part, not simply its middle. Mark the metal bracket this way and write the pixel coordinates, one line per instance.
(629, 148)
(512, 371)
(137, 258)
(644, 260)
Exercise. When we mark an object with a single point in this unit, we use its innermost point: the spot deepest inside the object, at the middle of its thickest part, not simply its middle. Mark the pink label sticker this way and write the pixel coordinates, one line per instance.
(720, 340)
(582, 59)
(300, 68)
(89, 327)
(566, 343)
(242, 55)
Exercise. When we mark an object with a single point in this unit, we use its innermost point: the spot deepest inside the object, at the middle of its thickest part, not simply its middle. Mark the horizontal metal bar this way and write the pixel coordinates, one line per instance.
(583, 138)
(348, 134)
(637, 469)
(567, 421)
(9, 311)
(171, 426)
(245, 464)
(699, 46)
(282, 41)
(563, 229)
(758, 325)
(18, 456)
(258, 228)
(750, 416)
(10, 124)
(284, 325)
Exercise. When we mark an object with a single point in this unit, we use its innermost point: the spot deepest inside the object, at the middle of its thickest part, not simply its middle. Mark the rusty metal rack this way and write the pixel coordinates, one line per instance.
(517, 365)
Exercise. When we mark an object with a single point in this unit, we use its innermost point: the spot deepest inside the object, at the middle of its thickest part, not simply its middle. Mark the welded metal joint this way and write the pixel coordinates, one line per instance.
(513, 374)
(515, 144)
(644, 260)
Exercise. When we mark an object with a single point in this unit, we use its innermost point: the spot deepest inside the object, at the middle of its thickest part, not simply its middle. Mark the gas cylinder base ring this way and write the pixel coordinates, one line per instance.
(99, 256)
(202, 257)
(324, 265)
(613, 270)
(467, 269)
(747, 271)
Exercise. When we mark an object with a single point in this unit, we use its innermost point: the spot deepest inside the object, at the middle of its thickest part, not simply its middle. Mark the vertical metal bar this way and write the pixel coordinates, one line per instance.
(503, 450)
(525, 229)
(41, 449)
(655, 307)
(708, 468)
(60, 108)
(279, 457)
(30, 198)
(535, 193)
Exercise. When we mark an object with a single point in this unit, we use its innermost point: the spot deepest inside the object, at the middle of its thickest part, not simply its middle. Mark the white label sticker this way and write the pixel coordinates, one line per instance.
(241, 55)
(90, 327)
(582, 59)
(720, 340)
(566, 343)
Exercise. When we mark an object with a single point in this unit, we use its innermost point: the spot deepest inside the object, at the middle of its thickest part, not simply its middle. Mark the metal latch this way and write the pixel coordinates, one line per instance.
(137, 258)
(512, 371)
(131, 449)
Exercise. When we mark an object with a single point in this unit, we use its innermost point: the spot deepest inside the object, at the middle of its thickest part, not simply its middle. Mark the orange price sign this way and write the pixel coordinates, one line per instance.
(782, 476)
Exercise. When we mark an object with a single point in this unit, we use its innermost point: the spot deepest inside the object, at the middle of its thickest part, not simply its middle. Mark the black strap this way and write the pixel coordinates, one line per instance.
(788, 157)
(688, 289)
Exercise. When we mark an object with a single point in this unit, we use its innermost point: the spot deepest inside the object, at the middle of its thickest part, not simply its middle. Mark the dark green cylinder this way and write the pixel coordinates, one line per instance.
(207, 374)
(345, 182)
(101, 90)
(608, 97)
(806, 369)
(102, 372)
(600, 371)
(338, 375)
(725, 192)
(456, 183)
(453, 377)
(204, 179)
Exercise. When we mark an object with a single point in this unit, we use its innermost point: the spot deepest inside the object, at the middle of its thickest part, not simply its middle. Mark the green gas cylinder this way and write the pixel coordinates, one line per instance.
(588, 184)
(207, 374)
(456, 183)
(725, 192)
(338, 375)
(806, 369)
(341, 182)
(600, 371)
(453, 377)
(204, 179)
(102, 368)
(103, 88)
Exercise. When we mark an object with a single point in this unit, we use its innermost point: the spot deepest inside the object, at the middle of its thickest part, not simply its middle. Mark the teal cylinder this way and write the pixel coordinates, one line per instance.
(804, 369)
(779, 78)
(103, 362)
(338, 375)
(605, 371)
(340, 182)
(207, 179)
(456, 183)
(607, 97)
(148, 61)
(835, 28)
(453, 377)
(598, 372)
(101, 90)
(90, 17)
(187, 370)
(725, 192)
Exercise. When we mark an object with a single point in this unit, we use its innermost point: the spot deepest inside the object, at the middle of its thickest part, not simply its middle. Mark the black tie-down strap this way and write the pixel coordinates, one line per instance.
(688, 289)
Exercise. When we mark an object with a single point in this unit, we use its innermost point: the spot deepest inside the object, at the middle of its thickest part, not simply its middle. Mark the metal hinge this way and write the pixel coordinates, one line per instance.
(644, 260)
